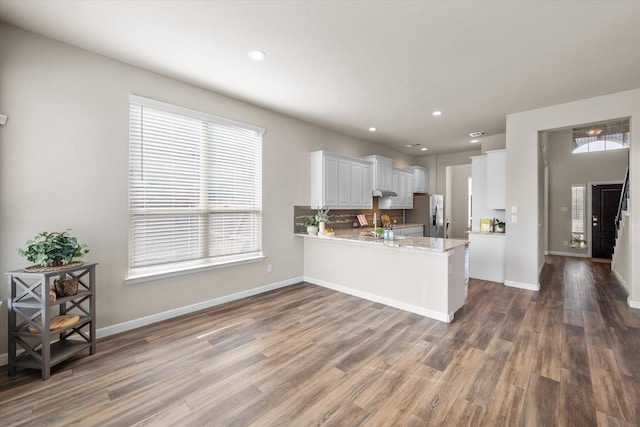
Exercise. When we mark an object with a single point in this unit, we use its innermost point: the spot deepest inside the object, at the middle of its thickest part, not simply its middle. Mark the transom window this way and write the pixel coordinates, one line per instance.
(612, 135)
(195, 189)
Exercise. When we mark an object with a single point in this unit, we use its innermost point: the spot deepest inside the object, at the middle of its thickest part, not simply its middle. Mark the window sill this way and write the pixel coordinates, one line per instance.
(165, 274)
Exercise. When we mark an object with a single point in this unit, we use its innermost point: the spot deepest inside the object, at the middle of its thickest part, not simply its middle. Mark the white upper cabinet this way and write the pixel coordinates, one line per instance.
(496, 187)
(339, 182)
(420, 179)
(402, 184)
(382, 167)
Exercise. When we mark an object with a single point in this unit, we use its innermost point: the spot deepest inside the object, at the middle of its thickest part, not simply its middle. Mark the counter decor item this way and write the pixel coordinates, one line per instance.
(322, 217)
(485, 225)
(51, 251)
(498, 225)
(378, 231)
(312, 225)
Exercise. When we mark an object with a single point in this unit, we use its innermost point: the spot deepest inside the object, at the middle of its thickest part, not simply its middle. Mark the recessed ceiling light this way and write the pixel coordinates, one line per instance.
(437, 113)
(424, 149)
(477, 134)
(408, 145)
(473, 141)
(257, 55)
(372, 129)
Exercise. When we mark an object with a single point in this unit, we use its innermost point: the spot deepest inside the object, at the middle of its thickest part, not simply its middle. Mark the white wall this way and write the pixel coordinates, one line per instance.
(524, 254)
(64, 164)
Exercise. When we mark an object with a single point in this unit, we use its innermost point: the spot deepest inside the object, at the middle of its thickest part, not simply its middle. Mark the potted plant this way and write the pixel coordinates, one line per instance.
(322, 217)
(312, 225)
(53, 249)
(499, 226)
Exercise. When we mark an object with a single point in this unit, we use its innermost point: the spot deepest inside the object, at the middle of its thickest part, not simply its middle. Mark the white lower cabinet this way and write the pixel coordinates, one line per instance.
(413, 231)
(340, 182)
(487, 256)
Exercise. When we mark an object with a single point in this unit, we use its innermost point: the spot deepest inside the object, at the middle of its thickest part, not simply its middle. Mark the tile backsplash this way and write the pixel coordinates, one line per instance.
(342, 219)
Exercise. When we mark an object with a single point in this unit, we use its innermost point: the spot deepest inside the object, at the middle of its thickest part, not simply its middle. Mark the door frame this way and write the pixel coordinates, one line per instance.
(589, 210)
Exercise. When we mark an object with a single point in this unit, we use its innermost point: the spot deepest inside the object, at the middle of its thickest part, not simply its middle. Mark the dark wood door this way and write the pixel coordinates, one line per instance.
(604, 207)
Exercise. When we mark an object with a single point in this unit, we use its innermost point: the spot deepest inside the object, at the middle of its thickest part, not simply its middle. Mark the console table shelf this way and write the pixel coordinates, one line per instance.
(29, 305)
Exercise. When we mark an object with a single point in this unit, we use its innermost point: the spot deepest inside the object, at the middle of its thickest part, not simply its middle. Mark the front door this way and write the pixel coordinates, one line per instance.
(604, 208)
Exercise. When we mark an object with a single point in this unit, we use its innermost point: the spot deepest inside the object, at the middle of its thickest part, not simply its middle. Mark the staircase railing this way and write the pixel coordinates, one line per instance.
(624, 196)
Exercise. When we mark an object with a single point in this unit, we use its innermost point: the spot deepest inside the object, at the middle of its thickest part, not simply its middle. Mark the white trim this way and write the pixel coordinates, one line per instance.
(159, 275)
(148, 102)
(574, 254)
(443, 317)
(521, 285)
(158, 317)
(632, 303)
(624, 284)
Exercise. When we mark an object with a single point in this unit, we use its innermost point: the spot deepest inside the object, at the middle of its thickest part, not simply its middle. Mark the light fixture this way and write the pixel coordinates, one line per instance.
(473, 141)
(408, 145)
(594, 131)
(424, 149)
(477, 134)
(372, 129)
(437, 113)
(257, 55)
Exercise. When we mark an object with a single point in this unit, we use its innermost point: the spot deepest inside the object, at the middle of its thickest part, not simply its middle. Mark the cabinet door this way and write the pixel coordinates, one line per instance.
(407, 190)
(330, 182)
(367, 185)
(344, 183)
(387, 174)
(357, 172)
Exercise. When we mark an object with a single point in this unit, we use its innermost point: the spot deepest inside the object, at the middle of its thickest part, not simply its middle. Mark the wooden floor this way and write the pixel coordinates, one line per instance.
(305, 355)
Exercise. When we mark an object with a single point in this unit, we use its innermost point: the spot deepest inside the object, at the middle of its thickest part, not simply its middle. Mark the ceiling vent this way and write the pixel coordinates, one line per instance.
(477, 134)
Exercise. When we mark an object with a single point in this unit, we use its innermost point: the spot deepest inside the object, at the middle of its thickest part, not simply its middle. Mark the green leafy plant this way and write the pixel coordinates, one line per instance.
(53, 249)
(311, 222)
(498, 223)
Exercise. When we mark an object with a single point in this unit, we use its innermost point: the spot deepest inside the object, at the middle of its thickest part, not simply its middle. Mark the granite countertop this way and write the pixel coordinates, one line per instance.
(364, 236)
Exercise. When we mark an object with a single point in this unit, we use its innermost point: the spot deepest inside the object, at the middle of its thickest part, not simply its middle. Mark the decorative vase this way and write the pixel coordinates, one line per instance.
(322, 226)
(312, 229)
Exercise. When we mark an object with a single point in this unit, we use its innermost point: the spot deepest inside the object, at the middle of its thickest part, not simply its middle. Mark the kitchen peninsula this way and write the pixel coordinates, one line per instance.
(423, 275)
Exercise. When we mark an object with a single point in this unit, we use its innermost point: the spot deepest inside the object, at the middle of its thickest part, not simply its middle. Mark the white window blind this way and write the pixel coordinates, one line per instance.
(195, 188)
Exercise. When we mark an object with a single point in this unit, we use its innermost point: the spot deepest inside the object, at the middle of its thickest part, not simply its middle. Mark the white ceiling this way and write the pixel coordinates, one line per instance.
(349, 65)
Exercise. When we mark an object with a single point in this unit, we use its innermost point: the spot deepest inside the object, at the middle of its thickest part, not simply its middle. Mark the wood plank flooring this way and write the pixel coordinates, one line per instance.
(568, 355)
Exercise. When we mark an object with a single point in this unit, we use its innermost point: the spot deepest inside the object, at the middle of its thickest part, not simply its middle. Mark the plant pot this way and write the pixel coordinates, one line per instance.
(312, 229)
(499, 229)
(66, 287)
(322, 227)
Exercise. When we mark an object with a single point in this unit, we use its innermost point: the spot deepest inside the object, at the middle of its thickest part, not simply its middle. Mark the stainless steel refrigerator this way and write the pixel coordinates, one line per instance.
(428, 209)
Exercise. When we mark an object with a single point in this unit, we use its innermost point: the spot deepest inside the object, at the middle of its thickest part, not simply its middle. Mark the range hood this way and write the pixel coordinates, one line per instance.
(384, 193)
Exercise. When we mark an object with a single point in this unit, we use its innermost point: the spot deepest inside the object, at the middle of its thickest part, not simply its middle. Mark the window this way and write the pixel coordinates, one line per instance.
(577, 216)
(195, 189)
(612, 135)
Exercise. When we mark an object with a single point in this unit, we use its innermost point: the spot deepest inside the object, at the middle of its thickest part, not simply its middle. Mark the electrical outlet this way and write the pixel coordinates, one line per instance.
(269, 268)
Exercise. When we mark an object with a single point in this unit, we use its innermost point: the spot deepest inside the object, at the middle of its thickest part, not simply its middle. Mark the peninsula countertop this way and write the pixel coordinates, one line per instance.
(365, 237)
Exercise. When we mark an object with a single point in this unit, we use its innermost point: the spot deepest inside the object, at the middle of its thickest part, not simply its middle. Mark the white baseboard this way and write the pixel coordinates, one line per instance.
(520, 285)
(624, 284)
(443, 317)
(154, 318)
(632, 303)
(574, 254)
